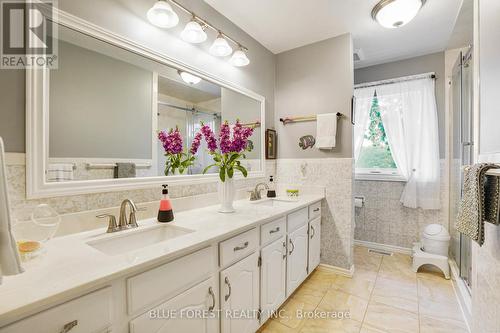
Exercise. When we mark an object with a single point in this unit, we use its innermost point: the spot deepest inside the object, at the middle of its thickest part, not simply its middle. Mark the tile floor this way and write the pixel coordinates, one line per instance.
(384, 295)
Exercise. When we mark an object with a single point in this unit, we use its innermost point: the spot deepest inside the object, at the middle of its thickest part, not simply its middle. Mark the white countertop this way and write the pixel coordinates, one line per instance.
(71, 267)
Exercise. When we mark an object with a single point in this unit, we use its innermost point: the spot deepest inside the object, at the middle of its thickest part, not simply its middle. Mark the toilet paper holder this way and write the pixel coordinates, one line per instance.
(359, 201)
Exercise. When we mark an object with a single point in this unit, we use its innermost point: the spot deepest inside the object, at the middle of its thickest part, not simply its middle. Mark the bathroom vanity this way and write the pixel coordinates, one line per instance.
(205, 272)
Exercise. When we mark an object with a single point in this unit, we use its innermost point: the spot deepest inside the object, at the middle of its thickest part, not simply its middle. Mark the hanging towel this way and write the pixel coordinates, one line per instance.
(124, 170)
(326, 130)
(60, 172)
(473, 209)
(492, 200)
(10, 263)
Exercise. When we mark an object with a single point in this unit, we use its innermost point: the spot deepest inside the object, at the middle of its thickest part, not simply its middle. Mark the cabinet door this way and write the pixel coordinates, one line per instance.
(314, 243)
(297, 258)
(192, 311)
(239, 285)
(273, 277)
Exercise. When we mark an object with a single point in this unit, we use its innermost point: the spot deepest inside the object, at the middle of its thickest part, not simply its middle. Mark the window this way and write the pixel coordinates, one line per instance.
(375, 161)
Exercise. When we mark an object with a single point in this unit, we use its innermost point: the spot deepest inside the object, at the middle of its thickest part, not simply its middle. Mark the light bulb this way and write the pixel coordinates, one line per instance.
(239, 58)
(396, 13)
(162, 15)
(193, 33)
(220, 47)
(189, 78)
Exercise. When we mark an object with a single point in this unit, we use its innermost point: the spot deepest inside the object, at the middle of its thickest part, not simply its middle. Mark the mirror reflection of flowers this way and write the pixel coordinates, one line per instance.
(227, 151)
(177, 159)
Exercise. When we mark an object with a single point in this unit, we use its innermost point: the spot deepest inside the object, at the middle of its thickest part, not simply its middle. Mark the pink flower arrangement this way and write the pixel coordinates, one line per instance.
(228, 149)
(173, 146)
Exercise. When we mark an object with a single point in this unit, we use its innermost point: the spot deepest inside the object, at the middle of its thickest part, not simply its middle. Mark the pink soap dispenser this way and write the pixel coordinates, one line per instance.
(165, 213)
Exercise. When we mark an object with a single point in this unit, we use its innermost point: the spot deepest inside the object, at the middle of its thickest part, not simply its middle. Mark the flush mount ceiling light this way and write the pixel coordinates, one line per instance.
(396, 13)
(162, 15)
(220, 47)
(239, 58)
(193, 32)
(189, 78)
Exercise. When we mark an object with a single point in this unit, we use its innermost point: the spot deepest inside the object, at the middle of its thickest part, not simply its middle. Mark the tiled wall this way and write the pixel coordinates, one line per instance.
(384, 220)
(336, 175)
(22, 208)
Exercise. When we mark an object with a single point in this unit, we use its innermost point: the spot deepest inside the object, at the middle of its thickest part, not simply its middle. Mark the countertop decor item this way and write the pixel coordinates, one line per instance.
(177, 160)
(292, 193)
(227, 152)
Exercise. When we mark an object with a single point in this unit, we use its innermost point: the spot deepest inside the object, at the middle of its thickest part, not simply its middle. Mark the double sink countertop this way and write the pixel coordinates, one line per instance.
(72, 264)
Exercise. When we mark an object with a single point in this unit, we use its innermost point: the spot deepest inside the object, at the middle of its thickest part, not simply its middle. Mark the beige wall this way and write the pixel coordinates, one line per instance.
(314, 79)
(418, 65)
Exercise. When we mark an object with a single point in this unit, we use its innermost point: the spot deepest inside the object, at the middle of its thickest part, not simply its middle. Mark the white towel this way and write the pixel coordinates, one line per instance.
(326, 130)
(60, 172)
(10, 262)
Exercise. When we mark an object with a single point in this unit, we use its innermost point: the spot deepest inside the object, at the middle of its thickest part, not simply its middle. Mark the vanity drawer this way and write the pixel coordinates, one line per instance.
(315, 210)
(166, 281)
(272, 230)
(89, 313)
(297, 219)
(238, 247)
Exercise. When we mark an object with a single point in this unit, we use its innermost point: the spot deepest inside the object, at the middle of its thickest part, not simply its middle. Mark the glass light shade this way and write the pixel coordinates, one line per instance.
(396, 13)
(189, 78)
(162, 15)
(193, 33)
(220, 47)
(239, 59)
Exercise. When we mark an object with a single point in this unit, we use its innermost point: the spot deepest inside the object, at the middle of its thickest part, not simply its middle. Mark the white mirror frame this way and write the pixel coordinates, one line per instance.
(37, 123)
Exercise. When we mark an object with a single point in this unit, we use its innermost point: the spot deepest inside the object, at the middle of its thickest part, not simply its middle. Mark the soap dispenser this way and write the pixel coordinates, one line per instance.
(271, 192)
(165, 213)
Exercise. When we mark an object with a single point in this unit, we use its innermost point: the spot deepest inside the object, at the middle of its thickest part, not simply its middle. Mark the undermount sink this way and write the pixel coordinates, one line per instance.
(273, 202)
(131, 240)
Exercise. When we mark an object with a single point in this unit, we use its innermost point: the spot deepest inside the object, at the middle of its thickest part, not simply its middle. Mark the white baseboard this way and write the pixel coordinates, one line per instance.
(337, 270)
(383, 247)
(462, 293)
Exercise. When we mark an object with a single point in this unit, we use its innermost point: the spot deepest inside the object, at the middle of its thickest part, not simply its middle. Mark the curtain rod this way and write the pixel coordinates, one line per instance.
(193, 110)
(431, 75)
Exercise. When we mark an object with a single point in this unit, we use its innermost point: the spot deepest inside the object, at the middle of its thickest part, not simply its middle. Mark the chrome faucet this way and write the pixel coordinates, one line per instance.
(123, 223)
(255, 194)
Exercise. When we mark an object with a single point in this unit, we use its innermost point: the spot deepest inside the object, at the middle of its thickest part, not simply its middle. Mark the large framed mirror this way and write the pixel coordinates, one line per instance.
(93, 123)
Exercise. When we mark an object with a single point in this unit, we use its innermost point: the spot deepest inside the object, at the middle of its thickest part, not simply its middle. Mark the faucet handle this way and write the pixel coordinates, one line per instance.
(132, 220)
(253, 197)
(112, 226)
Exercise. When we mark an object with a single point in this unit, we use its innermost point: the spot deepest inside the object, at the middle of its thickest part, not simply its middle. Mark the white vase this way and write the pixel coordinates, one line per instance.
(226, 195)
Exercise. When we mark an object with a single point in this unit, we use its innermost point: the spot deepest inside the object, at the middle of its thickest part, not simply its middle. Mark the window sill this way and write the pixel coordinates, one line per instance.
(379, 177)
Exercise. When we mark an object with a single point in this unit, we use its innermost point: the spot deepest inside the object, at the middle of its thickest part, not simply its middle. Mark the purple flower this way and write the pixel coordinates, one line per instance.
(240, 137)
(225, 138)
(209, 137)
(172, 142)
(195, 145)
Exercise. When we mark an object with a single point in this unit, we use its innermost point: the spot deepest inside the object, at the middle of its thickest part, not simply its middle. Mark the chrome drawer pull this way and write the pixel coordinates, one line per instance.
(226, 280)
(211, 293)
(69, 326)
(293, 247)
(239, 248)
(275, 230)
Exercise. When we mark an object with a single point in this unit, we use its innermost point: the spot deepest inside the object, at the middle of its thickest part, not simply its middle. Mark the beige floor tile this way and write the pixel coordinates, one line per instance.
(397, 266)
(320, 281)
(366, 260)
(361, 284)
(401, 294)
(289, 311)
(339, 301)
(308, 294)
(331, 326)
(449, 310)
(436, 324)
(367, 329)
(438, 291)
(274, 326)
(390, 319)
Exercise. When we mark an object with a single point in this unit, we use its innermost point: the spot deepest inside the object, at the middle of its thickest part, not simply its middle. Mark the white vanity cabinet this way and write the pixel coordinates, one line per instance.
(297, 258)
(314, 243)
(272, 277)
(191, 311)
(239, 296)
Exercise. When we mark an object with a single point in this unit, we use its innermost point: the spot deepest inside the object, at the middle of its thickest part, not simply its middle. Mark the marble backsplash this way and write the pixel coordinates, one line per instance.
(337, 221)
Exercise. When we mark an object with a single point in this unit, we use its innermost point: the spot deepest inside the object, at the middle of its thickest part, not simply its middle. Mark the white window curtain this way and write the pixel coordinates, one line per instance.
(364, 98)
(409, 114)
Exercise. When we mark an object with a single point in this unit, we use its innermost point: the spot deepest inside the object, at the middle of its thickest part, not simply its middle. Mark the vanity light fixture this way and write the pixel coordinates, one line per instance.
(194, 32)
(162, 15)
(220, 47)
(239, 58)
(393, 14)
(189, 78)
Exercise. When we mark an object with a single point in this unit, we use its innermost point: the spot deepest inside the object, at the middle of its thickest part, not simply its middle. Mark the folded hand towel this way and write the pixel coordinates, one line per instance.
(473, 211)
(60, 172)
(326, 130)
(10, 262)
(124, 170)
